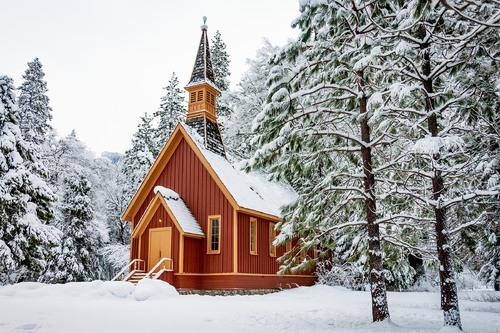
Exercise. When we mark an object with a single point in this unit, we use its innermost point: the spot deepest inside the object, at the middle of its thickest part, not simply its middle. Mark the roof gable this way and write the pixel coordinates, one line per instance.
(177, 210)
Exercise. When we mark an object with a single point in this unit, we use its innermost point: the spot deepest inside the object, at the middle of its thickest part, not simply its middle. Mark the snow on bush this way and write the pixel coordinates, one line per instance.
(117, 288)
(154, 289)
(347, 276)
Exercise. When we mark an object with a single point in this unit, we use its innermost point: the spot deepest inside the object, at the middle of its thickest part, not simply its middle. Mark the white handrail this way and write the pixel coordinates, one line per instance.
(160, 272)
(148, 276)
(125, 269)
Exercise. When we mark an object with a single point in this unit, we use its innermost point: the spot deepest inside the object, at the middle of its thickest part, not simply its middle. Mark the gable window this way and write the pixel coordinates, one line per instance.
(253, 235)
(213, 240)
(272, 237)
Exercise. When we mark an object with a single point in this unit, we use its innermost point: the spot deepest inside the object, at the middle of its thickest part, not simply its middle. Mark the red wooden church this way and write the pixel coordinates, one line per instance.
(197, 221)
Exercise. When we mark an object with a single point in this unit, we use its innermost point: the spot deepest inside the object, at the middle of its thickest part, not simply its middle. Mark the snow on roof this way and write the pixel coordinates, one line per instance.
(201, 81)
(180, 211)
(250, 190)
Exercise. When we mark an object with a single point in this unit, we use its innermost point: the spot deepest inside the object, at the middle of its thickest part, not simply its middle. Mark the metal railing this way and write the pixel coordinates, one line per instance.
(163, 269)
(132, 267)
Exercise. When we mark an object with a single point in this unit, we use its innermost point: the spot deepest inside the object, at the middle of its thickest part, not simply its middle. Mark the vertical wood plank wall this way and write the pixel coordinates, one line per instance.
(262, 262)
(186, 175)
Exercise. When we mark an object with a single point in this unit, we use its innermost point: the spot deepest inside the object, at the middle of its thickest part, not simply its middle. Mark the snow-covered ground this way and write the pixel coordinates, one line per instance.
(154, 306)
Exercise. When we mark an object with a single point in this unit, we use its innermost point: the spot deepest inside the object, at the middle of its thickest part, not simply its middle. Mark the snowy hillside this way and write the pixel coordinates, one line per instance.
(155, 306)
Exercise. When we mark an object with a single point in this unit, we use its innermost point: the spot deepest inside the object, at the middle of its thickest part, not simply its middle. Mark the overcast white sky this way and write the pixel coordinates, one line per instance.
(106, 61)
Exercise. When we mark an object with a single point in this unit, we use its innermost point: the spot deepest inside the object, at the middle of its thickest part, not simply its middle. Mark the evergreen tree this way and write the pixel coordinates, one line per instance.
(432, 53)
(140, 157)
(116, 253)
(76, 258)
(220, 64)
(69, 154)
(171, 112)
(34, 105)
(481, 237)
(25, 199)
(113, 199)
(248, 101)
(320, 131)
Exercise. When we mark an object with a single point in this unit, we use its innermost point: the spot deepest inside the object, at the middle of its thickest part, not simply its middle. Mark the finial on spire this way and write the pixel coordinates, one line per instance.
(204, 26)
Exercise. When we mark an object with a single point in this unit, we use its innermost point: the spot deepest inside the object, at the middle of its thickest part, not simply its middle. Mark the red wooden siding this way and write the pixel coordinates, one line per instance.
(193, 250)
(262, 262)
(186, 175)
(134, 248)
(238, 281)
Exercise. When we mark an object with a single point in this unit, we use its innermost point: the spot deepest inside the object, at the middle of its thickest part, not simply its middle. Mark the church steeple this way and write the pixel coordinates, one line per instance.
(203, 71)
(202, 113)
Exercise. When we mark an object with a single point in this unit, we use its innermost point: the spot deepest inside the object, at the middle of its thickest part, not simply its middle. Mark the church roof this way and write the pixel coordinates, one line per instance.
(202, 70)
(252, 190)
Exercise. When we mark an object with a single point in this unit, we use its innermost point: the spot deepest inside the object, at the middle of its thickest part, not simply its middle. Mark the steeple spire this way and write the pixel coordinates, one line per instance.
(203, 92)
(202, 70)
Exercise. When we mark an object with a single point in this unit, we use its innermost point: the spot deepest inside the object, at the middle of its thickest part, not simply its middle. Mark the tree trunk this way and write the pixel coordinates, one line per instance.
(380, 309)
(449, 295)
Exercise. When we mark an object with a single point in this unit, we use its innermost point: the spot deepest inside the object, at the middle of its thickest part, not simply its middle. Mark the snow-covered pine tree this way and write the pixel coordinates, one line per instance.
(139, 158)
(77, 256)
(220, 64)
(247, 102)
(481, 240)
(66, 154)
(435, 48)
(172, 111)
(322, 131)
(69, 154)
(116, 201)
(116, 252)
(34, 105)
(25, 199)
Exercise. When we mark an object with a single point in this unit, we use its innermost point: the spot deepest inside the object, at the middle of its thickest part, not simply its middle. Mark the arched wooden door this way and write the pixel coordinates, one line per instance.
(160, 245)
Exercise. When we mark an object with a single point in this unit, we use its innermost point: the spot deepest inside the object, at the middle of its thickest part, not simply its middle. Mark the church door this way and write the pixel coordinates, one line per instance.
(160, 245)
